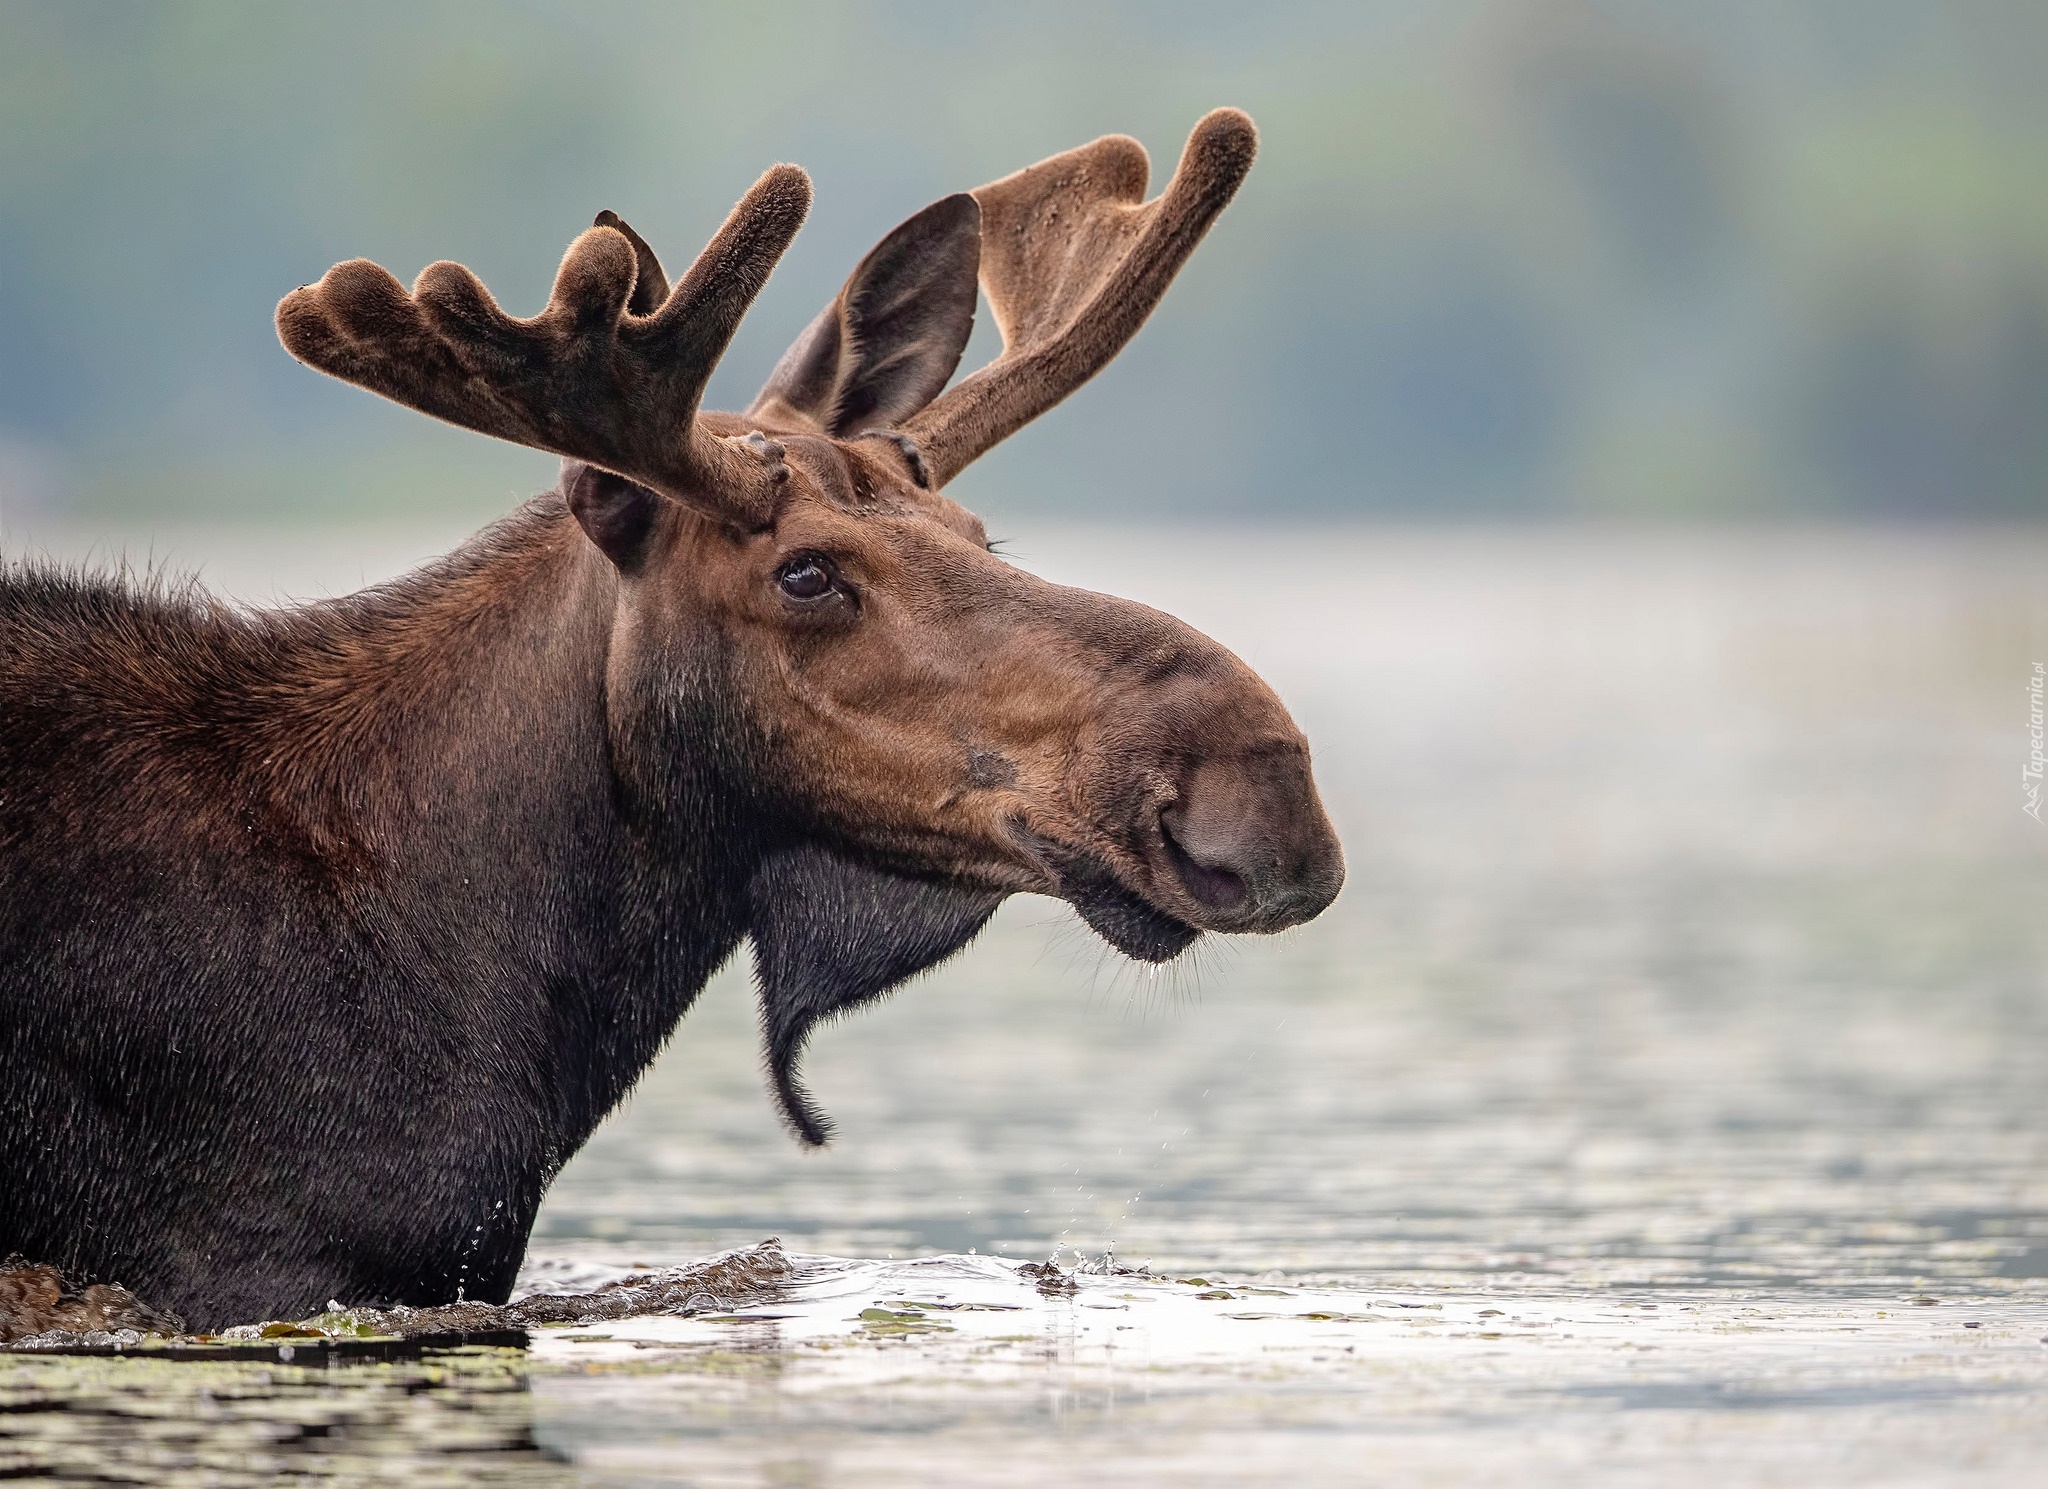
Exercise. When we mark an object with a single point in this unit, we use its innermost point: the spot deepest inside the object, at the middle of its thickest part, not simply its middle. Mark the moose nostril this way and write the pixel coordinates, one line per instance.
(1216, 886)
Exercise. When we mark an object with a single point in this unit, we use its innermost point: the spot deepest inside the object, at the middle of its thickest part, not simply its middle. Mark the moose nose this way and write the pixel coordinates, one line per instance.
(1251, 843)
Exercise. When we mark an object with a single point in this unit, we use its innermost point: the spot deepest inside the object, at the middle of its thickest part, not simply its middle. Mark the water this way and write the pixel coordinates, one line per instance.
(1663, 1102)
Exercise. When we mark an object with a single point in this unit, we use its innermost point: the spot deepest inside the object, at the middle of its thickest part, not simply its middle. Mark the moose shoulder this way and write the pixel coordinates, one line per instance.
(328, 934)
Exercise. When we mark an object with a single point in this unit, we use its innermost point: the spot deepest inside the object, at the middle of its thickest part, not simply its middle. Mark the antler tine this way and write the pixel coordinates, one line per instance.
(585, 378)
(1073, 260)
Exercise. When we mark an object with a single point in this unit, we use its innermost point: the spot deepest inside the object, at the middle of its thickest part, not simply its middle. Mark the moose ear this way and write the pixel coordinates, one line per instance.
(830, 935)
(885, 347)
(650, 283)
(618, 514)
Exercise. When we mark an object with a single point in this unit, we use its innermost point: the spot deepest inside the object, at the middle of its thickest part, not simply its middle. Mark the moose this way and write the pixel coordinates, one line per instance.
(328, 933)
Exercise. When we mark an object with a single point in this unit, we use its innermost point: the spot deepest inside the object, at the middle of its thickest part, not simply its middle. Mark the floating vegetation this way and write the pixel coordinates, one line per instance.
(37, 1315)
(888, 1321)
(448, 1417)
(38, 1303)
(1049, 1279)
(735, 1279)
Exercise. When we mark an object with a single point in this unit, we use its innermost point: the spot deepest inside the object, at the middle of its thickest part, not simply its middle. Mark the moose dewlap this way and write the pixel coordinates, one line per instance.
(328, 934)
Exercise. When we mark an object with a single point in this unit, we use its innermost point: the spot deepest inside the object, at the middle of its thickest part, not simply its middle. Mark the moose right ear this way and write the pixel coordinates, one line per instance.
(892, 337)
(617, 514)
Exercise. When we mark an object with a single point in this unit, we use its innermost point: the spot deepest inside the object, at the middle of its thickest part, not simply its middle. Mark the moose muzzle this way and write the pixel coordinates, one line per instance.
(1249, 841)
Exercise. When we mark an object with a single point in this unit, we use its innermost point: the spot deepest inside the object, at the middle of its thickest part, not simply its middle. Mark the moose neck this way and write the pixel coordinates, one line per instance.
(456, 752)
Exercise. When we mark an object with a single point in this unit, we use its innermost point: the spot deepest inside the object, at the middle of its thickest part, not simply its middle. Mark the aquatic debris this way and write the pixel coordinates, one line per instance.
(1050, 1281)
(228, 1421)
(735, 1279)
(37, 1301)
(887, 1321)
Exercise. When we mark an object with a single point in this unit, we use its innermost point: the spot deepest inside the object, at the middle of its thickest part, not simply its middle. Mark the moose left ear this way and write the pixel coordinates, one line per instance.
(887, 344)
(831, 934)
(617, 514)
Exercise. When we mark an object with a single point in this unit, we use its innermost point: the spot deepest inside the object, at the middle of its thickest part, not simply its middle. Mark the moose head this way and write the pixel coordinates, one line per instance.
(918, 727)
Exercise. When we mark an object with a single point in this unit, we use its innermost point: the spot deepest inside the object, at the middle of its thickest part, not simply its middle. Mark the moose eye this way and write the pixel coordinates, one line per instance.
(804, 579)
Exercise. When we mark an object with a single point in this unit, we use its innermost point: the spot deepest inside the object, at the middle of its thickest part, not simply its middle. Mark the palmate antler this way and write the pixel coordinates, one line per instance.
(1070, 255)
(610, 372)
(1073, 259)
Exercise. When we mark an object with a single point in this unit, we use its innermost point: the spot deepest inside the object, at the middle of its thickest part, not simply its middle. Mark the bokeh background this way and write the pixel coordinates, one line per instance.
(1498, 257)
(1619, 431)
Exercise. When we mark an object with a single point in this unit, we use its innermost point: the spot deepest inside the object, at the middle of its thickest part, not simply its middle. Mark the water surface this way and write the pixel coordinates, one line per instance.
(1665, 1101)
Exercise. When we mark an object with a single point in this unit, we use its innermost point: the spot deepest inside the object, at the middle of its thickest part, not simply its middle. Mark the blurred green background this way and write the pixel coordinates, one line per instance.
(1499, 257)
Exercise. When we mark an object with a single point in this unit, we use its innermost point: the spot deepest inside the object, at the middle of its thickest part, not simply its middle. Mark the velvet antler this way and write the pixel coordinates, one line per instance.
(1072, 260)
(609, 373)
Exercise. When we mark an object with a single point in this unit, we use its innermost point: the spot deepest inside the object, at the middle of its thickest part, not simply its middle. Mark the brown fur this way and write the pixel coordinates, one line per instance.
(942, 654)
(37, 1300)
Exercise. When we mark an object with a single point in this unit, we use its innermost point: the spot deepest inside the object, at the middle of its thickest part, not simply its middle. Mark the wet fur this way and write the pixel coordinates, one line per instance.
(328, 935)
(37, 1299)
(831, 935)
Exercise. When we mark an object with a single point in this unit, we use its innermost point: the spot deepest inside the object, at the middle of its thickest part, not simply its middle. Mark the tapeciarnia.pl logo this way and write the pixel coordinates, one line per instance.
(2030, 773)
